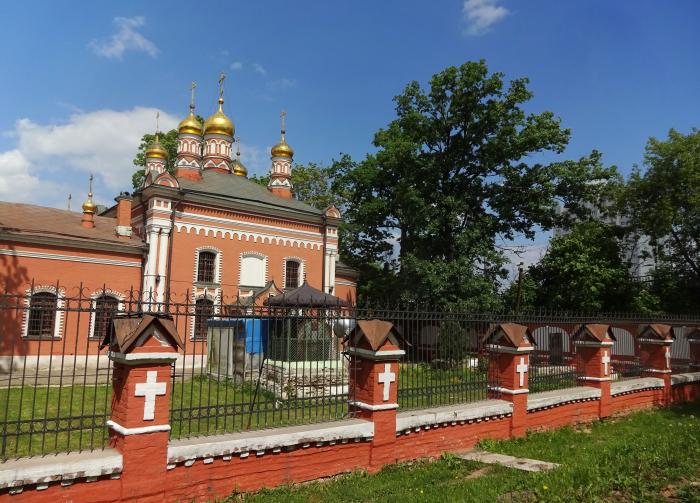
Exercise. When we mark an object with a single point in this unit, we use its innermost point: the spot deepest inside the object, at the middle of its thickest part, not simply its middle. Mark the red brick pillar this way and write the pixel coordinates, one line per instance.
(594, 356)
(655, 354)
(139, 425)
(374, 373)
(510, 346)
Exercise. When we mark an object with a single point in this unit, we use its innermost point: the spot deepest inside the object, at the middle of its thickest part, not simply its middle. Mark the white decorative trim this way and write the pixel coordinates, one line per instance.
(508, 391)
(137, 431)
(367, 406)
(199, 294)
(187, 450)
(107, 293)
(596, 379)
(258, 226)
(247, 236)
(593, 344)
(632, 385)
(562, 397)
(389, 354)
(656, 341)
(506, 349)
(59, 312)
(65, 467)
(69, 258)
(217, 262)
(127, 358)
(124, 230)
(685, 378)
(302, 270)
(496, 409)
(658, 371)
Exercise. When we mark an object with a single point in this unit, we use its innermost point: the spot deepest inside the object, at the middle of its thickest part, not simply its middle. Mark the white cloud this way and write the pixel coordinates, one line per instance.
(236, 65)
(283, 83)
(51, 156)
(480, 15)
(126, 38)
(258, 68)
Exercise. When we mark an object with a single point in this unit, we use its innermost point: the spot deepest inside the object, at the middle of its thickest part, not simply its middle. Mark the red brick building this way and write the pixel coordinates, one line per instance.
(205, 236)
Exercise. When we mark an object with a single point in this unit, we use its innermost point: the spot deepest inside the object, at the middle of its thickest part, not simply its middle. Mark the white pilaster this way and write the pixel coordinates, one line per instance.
(163, 247)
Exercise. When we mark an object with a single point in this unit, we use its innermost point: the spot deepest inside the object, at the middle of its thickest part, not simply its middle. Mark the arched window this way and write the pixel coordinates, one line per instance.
(291, 274)
(42, 314)
(203, 310)
(106, 306)
(206, 267)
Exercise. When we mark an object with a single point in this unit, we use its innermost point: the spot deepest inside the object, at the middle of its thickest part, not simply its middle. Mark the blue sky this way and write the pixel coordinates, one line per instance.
(81, 80)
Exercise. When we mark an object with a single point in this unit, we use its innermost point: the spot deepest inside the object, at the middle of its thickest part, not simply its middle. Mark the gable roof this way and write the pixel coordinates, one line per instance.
(516, 335)
(658, 330)
(305, 296)
(596, 331)
(31, 222)
(375, 331)
(127, 330)
(239, 188)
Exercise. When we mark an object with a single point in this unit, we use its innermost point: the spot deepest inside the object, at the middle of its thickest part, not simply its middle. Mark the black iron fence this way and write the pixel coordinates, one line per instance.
(249, 367)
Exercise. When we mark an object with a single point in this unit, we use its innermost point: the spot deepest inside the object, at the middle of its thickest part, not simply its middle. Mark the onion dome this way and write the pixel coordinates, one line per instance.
(239, 168)
(190, 125)
(89, 207)
(282, 149)
(219, 123)
(156, 149)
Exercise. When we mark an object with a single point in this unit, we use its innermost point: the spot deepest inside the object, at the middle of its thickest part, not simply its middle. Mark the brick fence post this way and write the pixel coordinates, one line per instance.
(374, 350)
(655, 353)
(510, 346)
(593, 353)
(142, 352)
(694, 343)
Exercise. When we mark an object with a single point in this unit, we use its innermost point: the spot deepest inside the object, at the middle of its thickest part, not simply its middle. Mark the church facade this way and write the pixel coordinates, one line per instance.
(205, 237)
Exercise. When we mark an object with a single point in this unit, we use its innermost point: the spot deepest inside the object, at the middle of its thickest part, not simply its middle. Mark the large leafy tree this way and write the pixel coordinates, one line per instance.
(458, 171)
(664, 200)
(584, 270)
(169, 142)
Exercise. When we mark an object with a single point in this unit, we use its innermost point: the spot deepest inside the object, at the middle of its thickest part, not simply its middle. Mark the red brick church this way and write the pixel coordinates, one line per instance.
(205, 236)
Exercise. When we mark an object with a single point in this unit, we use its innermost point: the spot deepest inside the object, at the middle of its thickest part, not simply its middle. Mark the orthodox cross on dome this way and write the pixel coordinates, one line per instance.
(386, 378)
(150, 389)
(667, 355)
(157, 122)
(606, 361)
(238, 147)
(521, 368)
(70, 196)
(222, 77)
(90, 187)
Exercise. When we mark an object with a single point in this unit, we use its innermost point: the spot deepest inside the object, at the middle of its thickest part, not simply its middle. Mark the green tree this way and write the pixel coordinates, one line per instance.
(454, 175)
(664, 202)
(169, 142)
(584, 270)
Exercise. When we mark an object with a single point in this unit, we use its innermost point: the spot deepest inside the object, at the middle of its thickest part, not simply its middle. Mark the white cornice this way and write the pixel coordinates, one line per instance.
(69, 258)
(249, 236)
(231, 221)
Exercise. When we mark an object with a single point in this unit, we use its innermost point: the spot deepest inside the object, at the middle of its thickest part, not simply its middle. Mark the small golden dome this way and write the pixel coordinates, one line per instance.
(219, 123)
(282, 149)
(156, 149)
(190, 125)
(89, 206)
(239, 168)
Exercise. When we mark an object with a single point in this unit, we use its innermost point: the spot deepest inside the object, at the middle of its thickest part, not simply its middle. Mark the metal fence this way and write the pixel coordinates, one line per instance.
(249, 367)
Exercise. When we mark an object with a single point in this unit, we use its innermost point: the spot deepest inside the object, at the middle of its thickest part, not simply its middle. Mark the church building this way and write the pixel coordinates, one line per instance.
(204, 236)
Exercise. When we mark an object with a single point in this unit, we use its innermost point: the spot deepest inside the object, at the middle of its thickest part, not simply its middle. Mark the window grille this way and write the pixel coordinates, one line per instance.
(42, 314)
(291, 279)
(206, 265)
(203, 310)
(105, 308)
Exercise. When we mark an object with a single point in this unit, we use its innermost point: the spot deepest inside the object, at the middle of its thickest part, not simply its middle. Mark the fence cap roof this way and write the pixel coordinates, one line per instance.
(376, 332)
(593, 331)
(306, 296)
(128, 330)
(657, 331)
(513, 334)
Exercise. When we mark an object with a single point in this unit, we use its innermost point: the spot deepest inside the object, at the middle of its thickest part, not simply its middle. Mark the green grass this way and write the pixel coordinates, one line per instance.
(646, 457)
(420, 385)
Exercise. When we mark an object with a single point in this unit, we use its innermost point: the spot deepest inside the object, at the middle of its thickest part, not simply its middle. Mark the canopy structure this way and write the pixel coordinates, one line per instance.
(305, 296)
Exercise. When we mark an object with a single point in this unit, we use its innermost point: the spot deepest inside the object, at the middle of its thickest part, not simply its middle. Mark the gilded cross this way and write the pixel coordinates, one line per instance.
(157, 122)
(192, 88)
(222, 77)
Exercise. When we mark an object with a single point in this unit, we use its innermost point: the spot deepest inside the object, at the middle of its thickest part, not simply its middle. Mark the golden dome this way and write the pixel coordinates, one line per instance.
(282, 149)
(239, 168)
(190, 125)
(219, 123)
(155, 149)
(89, 206)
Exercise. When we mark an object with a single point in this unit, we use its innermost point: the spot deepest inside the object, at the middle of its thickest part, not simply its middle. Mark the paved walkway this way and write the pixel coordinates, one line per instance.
(491, 458)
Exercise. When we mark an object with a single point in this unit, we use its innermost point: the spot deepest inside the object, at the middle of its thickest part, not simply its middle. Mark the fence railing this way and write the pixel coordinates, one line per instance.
(249, 367)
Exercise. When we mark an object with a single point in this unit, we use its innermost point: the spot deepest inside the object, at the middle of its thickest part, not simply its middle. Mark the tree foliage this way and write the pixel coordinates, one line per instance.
(169, 142)
(454, 175)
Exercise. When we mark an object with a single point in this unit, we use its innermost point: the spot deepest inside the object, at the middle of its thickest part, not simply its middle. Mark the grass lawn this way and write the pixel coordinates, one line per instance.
(646, 457)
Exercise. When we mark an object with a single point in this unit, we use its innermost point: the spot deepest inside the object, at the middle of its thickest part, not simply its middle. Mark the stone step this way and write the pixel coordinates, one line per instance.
(491, 458)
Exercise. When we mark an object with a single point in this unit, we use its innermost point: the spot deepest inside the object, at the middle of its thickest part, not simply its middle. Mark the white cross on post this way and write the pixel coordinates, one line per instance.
(386, 378)
(150, 389)
(668, 357)
(606, 362)
(521, 369)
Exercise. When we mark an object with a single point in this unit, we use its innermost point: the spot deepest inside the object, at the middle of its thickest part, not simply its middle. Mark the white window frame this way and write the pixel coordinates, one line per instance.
(217, 264)
(240, 267)
(93, 304)
(302, 271)
(58, 319)
(193, 318)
